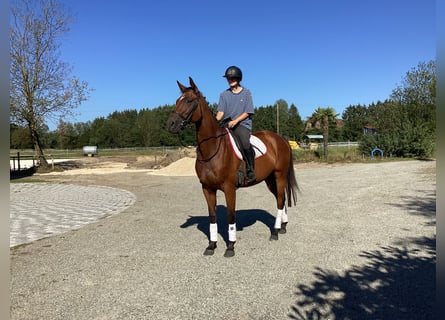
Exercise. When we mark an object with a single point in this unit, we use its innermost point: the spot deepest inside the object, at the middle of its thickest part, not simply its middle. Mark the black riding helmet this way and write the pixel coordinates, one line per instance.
(233, 72)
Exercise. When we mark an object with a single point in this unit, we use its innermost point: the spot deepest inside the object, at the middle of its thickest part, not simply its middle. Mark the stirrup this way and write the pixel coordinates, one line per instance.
(250, 176)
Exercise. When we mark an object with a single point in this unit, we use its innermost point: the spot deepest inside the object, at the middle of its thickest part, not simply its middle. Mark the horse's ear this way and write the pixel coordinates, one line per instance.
(181, 87)
(192, 84)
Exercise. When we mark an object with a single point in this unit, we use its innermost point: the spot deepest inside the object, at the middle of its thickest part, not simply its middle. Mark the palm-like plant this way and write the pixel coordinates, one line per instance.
(324, 116)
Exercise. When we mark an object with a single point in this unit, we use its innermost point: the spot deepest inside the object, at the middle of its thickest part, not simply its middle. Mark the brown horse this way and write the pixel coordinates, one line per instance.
(217, 165)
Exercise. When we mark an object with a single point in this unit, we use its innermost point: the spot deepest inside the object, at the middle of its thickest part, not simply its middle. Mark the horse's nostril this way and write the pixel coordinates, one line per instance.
(171, 125)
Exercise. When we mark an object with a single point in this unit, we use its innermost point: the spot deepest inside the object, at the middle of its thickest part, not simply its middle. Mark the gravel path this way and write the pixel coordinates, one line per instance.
(360, 245)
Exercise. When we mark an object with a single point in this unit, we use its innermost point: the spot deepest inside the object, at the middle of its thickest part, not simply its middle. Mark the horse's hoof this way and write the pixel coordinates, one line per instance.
(283, 228)
(210, 250)
(229, 253)
(273, 237)
(274, 234)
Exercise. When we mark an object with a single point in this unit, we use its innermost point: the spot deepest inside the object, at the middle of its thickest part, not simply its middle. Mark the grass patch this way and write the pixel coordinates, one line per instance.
(339, 155)
(27, 180)
(78, 153)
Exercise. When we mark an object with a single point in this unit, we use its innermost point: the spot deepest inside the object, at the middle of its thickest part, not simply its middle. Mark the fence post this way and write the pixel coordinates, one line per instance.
(18, 160)
(13, 163)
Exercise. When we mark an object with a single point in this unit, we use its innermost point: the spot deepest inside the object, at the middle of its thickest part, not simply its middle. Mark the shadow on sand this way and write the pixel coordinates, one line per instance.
(395, 282)
(244, 219)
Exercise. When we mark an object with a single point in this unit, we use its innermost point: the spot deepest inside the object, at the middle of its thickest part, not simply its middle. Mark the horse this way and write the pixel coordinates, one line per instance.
(217, 166)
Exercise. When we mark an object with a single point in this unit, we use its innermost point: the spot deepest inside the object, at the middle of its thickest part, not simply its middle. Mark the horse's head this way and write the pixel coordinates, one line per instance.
(186, 108)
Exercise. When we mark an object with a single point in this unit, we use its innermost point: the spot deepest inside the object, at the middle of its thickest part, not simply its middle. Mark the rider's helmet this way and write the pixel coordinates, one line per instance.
(233, 72)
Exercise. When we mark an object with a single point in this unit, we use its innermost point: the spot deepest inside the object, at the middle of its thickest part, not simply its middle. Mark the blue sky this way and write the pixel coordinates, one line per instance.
(309, 53)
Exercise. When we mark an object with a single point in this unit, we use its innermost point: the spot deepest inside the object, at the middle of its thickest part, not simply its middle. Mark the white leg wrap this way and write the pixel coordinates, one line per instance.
(284, 217)
(232, 232)
(278, 219)
(213, 232)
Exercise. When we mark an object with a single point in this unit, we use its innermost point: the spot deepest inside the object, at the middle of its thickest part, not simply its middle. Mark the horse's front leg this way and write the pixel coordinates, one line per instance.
(210, 195)
(230, 195)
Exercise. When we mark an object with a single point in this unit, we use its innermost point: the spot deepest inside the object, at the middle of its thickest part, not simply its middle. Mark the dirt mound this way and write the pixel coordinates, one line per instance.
(182, 167)
(175, 164)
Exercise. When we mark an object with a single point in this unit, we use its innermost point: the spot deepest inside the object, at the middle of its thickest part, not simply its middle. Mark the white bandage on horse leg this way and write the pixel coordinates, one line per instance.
(232, 232)
(213, 232)
(284, 217)
(278, 219)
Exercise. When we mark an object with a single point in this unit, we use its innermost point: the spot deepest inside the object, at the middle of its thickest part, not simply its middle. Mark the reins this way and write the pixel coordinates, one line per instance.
(186, 121)
(217, 149)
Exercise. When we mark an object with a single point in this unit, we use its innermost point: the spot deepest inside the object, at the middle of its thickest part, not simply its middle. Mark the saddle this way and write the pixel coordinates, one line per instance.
(258, 145)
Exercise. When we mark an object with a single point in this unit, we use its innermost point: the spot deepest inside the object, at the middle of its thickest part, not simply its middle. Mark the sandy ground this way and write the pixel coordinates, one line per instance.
(360, 245)
(182, 167)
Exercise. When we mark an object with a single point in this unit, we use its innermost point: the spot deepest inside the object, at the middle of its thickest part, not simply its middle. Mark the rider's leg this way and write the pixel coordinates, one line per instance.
(243, 134)
(250, 159)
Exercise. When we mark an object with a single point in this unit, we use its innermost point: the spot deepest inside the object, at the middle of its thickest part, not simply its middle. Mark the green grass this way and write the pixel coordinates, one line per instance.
(78, 153)
(339, 154)
(27, 180)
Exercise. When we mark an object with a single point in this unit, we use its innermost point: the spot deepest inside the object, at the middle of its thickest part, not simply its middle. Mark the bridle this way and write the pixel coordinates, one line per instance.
(187, 119)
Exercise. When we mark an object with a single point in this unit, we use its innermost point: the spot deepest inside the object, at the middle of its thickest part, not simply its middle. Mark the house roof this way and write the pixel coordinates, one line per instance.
(314, 136)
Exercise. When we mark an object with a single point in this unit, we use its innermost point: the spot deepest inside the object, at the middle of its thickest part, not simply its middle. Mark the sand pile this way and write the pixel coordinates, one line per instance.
(182, 167)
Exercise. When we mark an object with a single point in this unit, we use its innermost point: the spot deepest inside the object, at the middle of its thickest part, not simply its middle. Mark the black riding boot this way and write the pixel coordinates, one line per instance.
(250, 161)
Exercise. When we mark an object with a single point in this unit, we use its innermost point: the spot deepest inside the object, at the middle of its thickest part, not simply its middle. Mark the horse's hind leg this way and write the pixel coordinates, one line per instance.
(284, 219)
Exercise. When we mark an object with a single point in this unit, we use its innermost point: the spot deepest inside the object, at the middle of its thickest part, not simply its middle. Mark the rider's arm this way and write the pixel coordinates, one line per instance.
(219, 115)
(241, 117)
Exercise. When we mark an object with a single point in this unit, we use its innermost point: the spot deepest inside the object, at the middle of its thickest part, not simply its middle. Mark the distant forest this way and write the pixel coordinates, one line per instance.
(403, 125)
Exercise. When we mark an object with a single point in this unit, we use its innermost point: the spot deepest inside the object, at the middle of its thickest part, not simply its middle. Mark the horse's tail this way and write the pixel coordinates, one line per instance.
(292, 185)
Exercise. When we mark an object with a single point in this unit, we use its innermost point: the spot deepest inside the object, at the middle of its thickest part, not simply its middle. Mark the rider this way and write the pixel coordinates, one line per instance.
(236, 106)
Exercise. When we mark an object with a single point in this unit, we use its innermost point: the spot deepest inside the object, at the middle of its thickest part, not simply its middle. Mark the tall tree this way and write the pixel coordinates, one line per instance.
(418, 87)
(324, 116)
(295, 125)
(281, 117)
(41, 85)
(66, 135)
(355, 117)
(264, 119)
(418, 93)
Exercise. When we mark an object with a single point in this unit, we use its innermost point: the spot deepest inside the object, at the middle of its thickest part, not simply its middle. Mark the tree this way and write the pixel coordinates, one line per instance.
(67, 135)
(296, 125)
(324, 116)
(418, 86)
(406, 122)
(355, 117)
(281, 117)
(264, 119)
(19, 137)
(417, 93)
(41, 85)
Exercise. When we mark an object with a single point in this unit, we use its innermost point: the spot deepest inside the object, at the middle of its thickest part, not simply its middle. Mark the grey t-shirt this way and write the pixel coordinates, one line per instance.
(234, 104)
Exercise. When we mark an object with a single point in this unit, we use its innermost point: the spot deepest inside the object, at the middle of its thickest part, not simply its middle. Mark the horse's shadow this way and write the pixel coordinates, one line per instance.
(244, 218)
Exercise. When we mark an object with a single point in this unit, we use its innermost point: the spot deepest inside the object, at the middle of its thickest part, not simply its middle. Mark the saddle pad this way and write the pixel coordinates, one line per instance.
(258, 146)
